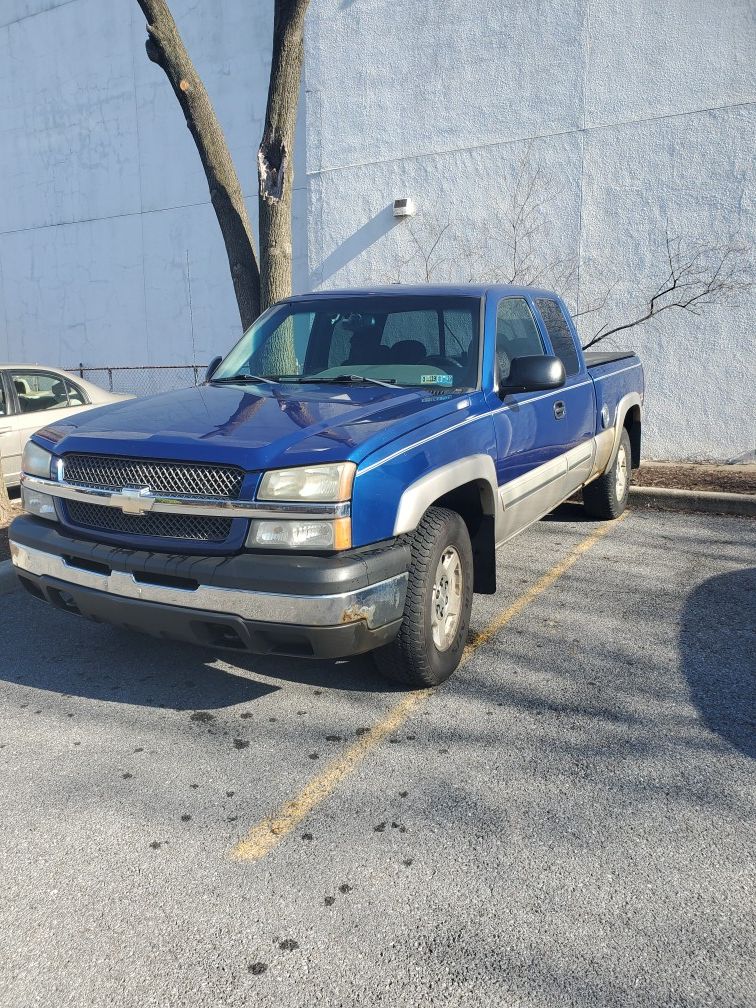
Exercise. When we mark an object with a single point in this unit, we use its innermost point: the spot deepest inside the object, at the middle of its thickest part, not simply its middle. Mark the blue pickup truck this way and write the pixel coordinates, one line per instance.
(341, 481)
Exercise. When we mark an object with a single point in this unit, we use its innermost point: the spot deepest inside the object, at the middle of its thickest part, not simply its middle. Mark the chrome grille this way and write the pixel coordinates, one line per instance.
(156, 523)
(190, 480)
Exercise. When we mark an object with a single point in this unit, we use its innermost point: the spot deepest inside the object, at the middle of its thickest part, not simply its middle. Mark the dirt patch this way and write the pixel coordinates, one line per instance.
(712, 478)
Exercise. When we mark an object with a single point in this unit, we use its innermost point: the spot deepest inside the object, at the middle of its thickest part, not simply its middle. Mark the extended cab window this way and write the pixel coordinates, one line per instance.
(408, 340)
(516, 333)
(559, 333)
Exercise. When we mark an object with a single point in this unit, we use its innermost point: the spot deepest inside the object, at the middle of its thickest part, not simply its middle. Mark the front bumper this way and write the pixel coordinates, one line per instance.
(311, 606)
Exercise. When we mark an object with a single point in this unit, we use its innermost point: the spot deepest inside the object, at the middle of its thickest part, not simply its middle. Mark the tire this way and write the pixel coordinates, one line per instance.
(425, 653)
(606, 497)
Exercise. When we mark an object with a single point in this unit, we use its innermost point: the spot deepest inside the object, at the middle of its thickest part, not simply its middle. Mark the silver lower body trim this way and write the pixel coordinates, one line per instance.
(377, 604)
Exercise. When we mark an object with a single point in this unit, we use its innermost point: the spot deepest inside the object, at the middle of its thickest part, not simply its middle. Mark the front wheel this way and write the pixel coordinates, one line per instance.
(606, 497)
(432, 637)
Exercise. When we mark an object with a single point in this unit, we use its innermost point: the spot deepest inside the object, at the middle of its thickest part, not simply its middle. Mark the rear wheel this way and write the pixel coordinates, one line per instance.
(436, 620)
(606, 497)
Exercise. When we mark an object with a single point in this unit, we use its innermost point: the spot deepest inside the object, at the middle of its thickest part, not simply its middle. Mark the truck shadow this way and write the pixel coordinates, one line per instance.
(570, 511)
(718, 655)
(74, 657)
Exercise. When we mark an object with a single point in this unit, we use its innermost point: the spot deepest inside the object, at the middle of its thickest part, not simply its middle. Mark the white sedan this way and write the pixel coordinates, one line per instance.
(32, 396)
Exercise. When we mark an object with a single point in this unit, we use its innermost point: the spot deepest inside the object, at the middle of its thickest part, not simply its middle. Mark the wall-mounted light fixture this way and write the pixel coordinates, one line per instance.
(404, 207)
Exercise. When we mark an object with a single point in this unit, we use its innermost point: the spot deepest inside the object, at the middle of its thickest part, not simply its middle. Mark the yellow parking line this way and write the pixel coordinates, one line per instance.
(538, 588)
(265, 836)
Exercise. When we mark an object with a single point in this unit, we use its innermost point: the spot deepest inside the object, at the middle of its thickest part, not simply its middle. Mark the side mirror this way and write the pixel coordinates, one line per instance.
(531, 374)
(212, 367)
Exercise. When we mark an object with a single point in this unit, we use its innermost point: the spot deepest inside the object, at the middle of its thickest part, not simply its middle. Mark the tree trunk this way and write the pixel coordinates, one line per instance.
(275, 159)
(166, 48)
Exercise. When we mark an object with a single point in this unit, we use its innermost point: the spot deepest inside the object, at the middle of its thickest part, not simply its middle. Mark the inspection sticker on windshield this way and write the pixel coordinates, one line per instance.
(436, 379)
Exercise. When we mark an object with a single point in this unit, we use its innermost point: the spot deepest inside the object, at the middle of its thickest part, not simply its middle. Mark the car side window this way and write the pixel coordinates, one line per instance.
(516, 333)
(559, 333)
(39, 390)
(3, 404)
(76, 396)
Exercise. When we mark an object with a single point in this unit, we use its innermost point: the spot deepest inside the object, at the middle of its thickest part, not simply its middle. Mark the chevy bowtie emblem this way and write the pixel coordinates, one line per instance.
(134, 502)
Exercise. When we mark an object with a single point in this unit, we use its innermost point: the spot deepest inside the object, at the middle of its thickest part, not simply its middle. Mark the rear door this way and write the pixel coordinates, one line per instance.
(10, 439)
(42, 398)
(575, 403)
(531, 463)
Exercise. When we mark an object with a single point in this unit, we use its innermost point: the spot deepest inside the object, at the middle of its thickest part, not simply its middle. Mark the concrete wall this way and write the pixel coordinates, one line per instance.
(640, 113)
(637, 114)
(109, 249)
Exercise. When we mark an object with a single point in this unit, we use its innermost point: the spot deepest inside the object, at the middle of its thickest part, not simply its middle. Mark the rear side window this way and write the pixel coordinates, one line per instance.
(3, 407)
(559, 334)
(516, 333)
(75, 396)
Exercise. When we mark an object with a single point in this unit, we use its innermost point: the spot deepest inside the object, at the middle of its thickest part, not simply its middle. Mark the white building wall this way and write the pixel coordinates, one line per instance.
(642, 113)
(109, 248)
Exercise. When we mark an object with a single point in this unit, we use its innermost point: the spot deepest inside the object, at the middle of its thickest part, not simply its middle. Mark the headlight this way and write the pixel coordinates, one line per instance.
(40, 504)
(36, 461)
(309, 483)
(302, 534)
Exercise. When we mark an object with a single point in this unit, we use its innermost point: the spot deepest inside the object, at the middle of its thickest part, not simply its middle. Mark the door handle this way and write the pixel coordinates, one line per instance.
(559, 410)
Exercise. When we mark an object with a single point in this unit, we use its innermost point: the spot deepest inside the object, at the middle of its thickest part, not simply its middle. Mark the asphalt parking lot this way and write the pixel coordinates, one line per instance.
(569, 821)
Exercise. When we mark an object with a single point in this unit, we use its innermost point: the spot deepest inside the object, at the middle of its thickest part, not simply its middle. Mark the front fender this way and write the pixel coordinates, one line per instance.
(419, 496)
(395, 486)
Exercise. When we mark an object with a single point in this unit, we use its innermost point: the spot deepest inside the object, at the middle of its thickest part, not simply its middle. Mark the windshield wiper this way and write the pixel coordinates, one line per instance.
(346, 379)
(251, 378)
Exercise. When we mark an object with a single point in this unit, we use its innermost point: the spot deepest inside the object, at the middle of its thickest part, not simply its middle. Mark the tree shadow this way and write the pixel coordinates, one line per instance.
(718, 655)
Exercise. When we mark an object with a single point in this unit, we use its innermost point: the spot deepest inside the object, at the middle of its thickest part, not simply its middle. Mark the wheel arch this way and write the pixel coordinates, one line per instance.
(632, 424)
(468, 487)
(628, 418)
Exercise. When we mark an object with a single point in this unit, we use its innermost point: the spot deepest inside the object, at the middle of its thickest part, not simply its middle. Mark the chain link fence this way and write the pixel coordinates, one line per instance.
(151, 379)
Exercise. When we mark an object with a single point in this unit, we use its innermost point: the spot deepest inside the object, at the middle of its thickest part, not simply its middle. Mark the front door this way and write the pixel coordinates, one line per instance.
(530, 434)
(577, 396)
(10, 438)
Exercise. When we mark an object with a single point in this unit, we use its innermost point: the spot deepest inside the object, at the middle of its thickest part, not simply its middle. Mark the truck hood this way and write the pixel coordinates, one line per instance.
(253, 426)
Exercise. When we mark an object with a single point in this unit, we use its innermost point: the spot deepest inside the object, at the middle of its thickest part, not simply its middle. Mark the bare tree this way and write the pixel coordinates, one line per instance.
(166, 48)
(525, 227)
(515, 245)
(698, 275)
(514, 248)
(256, 284)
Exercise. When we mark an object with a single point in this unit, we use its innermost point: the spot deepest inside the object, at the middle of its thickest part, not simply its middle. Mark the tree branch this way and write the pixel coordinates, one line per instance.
(701, 274)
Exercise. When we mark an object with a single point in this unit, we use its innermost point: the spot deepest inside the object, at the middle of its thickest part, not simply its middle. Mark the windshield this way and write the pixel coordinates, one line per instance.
(404, 340)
